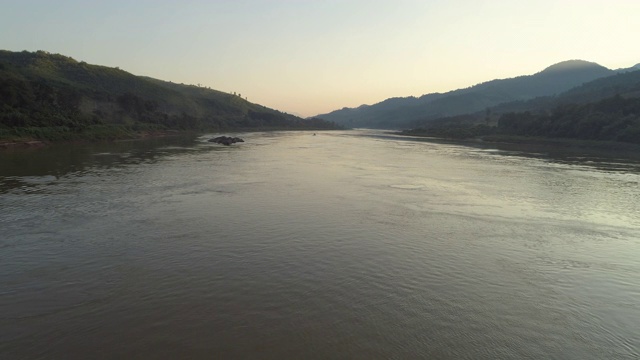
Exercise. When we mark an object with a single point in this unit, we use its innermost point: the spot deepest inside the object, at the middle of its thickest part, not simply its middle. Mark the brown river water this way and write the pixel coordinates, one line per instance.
(345, 245)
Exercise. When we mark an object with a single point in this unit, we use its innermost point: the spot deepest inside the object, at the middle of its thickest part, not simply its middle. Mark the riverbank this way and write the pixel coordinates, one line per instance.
(34, 142)
(16, 143)
(532, 142)
(21, 144)
(564, 142)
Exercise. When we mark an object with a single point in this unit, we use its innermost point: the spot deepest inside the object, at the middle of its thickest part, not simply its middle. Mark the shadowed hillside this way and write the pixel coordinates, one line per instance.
(604, 109)
(399, 112)
(625, 82)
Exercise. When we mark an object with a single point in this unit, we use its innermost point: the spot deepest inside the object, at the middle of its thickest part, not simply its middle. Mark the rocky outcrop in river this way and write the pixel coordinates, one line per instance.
(226, 140)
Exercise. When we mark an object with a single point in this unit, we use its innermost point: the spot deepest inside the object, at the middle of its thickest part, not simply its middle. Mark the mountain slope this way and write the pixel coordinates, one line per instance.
(52, 96)
(606, 109)
(398, 112)
(625, 82)
(611, 119)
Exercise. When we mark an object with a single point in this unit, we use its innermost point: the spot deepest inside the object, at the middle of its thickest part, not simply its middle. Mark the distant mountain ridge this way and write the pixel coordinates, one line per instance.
(399, 112)
(633, 68)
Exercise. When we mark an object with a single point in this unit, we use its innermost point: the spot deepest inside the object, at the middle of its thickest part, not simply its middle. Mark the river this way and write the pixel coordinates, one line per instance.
(343, 245)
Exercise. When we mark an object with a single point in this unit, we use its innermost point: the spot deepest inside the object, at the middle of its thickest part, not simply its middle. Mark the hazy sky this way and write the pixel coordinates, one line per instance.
(310, 57)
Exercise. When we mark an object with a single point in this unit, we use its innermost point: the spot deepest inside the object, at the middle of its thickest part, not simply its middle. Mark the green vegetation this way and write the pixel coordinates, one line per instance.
(604, 110)
(612, 119)
(53, 97)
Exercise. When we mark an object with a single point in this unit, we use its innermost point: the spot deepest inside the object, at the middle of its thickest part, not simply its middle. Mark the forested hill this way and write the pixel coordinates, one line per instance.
(51, 96)
(399, 112)
(625, 82)
(606, 109)
(612, 119)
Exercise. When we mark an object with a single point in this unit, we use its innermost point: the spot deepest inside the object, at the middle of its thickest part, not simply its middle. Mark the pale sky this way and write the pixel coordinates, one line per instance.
(310, 57)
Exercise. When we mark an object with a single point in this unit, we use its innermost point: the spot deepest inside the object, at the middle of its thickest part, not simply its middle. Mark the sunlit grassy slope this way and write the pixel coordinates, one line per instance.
(51, 96)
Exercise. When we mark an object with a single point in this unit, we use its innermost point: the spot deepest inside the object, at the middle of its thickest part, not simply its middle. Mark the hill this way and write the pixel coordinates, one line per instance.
(399, 112)
(51, 96)
(624, 82)
(604, 109)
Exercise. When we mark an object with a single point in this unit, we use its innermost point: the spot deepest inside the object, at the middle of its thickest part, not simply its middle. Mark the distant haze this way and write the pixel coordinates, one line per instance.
(311, 57)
